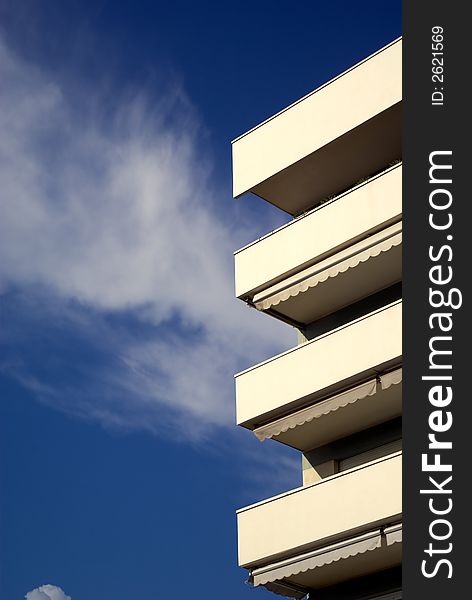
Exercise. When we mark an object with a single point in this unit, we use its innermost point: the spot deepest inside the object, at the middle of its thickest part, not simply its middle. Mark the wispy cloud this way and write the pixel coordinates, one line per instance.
(111, 232)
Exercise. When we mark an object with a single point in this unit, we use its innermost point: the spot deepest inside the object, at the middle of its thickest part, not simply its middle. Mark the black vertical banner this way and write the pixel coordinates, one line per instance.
(437, 265)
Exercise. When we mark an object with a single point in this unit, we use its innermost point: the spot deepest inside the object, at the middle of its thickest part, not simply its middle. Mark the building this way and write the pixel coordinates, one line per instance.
(332, 160)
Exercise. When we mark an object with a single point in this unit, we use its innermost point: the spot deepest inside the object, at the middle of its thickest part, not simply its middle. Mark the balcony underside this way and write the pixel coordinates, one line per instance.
(362, 152)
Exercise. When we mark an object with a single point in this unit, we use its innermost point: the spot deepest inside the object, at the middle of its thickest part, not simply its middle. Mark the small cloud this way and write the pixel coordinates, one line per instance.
(47, 592)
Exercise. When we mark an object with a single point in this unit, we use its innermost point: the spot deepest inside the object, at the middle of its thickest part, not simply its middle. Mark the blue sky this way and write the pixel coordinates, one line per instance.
(118, 334)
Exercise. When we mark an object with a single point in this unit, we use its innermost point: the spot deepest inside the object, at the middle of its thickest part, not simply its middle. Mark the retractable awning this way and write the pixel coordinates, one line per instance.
(317, 558)
(329, 405)
(316, 411)
(294, 577)
(377, 263)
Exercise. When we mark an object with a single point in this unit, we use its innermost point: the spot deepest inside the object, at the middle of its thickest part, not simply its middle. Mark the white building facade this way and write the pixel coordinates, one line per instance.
(333, 161)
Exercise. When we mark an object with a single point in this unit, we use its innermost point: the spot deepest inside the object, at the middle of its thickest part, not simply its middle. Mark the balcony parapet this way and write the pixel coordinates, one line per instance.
(346, 130)
(320, 368)
(313, 518)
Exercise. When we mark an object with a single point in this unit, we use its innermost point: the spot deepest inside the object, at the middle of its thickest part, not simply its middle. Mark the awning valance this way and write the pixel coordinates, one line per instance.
(316, 410)
(320, 409)
(391, 378)
(317, 558)
(340, 262)
(393, 534)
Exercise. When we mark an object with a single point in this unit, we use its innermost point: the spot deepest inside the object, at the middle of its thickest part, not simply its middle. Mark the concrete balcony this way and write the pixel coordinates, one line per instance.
(331, 257)
(321, 368)
(313, 537)
(346, 130)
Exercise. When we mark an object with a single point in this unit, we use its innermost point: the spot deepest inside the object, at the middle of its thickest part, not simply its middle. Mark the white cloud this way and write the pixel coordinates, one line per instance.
(116, 212)
(47, 592)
